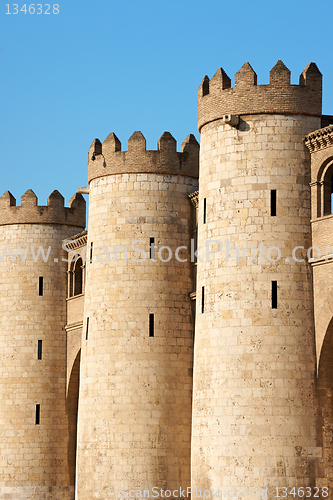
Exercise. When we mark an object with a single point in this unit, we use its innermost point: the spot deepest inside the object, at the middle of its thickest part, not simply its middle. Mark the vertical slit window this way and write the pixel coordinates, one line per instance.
(205, 211)
(39, 349)
(274, 294)
(151, 325)
(87, 329)
(37, 420)
(91, 251)
(41, 286)
(152, 248)
(273, 202)
(202, 299)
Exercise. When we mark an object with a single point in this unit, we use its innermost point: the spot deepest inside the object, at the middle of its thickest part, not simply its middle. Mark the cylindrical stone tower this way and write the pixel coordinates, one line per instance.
(254, 406)
(33, 423)
(134, 417)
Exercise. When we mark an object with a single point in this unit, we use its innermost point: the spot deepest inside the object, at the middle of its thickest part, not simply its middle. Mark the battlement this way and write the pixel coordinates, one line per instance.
(216, 98)
(108, 159)
(54, 213)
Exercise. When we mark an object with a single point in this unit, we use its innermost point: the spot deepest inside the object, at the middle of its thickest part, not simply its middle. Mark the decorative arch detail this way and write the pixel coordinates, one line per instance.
(76, 277)
(325, 188)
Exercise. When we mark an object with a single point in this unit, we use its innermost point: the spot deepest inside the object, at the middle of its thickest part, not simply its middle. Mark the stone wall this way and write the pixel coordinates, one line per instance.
(254, 404)
(34, 456)
(134, 423)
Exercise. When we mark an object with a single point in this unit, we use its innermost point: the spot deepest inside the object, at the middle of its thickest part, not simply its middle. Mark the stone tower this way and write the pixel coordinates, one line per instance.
(33, 424)
(254, 405)
(134, 416)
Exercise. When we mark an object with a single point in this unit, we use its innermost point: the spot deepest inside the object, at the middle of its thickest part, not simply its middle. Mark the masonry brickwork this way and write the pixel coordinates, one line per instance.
(216, 97)
(109, 159)
(30, 213)
(162, 372)
(135, 376)
(34, 461)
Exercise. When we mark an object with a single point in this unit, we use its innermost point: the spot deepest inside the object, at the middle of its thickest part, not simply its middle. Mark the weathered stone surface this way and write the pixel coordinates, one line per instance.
(254, 402)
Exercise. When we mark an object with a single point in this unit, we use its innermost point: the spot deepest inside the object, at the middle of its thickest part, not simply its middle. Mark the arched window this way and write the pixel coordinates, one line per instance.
(78, 281)
(325, 191)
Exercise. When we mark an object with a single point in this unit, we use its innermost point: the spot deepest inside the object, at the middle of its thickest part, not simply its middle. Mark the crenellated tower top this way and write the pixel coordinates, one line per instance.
(108, 159)
(54, 213)
(216, 98)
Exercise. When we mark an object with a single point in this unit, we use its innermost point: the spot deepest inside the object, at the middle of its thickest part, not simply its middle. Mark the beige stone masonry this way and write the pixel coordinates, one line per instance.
(254, 403)
(134, 421)
(34, 458)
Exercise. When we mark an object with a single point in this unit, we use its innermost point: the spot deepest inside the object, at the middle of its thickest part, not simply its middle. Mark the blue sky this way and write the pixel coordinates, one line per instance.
(103, 66)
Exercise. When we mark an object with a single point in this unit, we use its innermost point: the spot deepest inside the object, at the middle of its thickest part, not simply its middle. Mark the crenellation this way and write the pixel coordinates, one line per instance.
(167, 144)
(165, 160)
(279, 75)
(136, 143)
(112, 143)
(312, 78)
(78, 202)
(7, 200)
(204, 87)
(29, 199)
(220, 81)
(190, 146)
(55, 200)
(248, 98)
(95, 148)
(29, 212)
(246, 76)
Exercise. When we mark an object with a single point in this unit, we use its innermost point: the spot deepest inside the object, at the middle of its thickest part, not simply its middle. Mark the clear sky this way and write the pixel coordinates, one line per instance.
(104, 66)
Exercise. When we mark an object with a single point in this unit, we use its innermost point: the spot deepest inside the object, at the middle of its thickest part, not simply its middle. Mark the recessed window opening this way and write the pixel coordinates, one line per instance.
(37, 420)
(39, 349)
(91, 251)
(203, 299)
(152, 248)
(273, 202)
(40, 286)
(87, 329)
(78, 277)
(205, 211)
(274, 294)
(151, 325)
